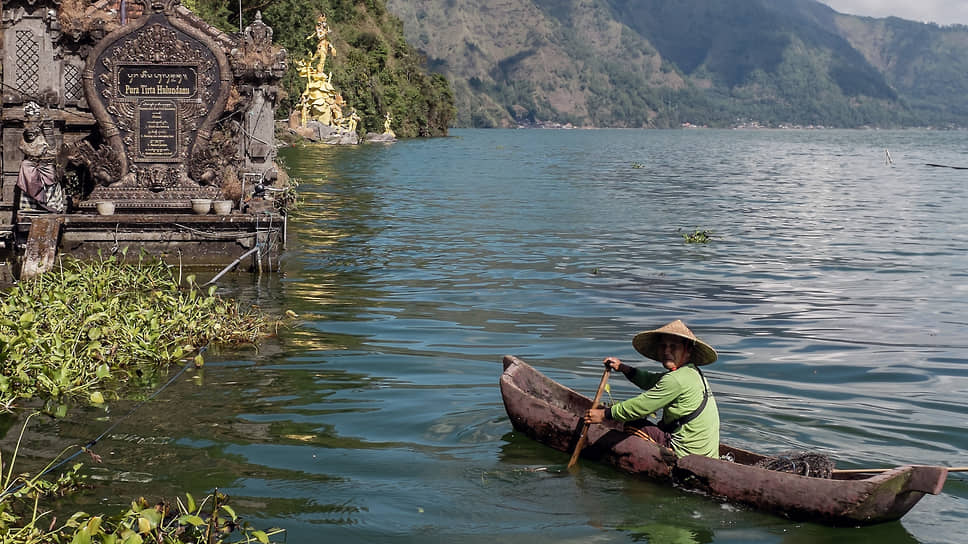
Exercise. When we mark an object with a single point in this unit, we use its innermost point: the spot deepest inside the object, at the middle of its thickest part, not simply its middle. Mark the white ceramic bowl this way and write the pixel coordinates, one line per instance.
(201, 205)
(104, 208)
(222, 207)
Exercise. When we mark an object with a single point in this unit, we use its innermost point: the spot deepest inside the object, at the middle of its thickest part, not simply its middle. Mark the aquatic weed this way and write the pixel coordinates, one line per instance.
(22, 520)
(700, 236)
(20, 494)
(185, 521)
(88, 325)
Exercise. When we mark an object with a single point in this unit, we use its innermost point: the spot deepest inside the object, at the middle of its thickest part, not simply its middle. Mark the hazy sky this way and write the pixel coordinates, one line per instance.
(943, 12)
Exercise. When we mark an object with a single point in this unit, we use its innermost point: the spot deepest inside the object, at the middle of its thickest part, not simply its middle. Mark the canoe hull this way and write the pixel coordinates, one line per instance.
(550, 413)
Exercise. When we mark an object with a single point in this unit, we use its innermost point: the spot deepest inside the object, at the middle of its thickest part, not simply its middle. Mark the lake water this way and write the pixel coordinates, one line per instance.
(835, 289)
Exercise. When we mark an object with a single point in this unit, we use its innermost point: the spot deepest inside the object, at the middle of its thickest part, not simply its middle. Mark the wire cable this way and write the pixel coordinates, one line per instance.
(86, 448)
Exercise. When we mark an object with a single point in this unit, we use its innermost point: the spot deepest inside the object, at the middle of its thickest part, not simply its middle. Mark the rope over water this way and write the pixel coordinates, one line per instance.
(87, 448)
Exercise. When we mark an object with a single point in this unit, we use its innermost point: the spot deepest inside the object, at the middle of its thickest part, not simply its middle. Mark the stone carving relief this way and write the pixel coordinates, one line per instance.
(156, 88)
(135, 104)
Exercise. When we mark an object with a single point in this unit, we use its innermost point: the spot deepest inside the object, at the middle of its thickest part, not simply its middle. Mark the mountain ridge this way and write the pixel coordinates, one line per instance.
(659, 63)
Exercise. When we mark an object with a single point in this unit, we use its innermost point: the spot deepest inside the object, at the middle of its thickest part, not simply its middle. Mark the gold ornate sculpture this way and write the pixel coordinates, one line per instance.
(323, 46)
(386, 126)
(321, 101)
(354, 119)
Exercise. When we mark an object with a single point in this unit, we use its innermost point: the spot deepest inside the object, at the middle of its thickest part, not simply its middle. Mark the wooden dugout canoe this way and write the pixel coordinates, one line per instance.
(550, 413)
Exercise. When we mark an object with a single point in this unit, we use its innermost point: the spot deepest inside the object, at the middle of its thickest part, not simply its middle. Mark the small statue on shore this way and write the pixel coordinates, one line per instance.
(386, 126)
(354, 120)
(336, 109)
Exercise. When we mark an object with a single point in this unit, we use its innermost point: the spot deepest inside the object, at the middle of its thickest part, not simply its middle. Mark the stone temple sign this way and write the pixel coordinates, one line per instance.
(137, 125)
(157, 89)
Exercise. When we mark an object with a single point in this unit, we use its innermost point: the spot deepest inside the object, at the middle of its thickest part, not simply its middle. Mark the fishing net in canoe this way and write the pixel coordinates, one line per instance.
(815, 465)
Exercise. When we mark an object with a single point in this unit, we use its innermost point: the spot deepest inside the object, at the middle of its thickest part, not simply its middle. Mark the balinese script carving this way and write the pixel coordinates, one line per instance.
(157, 56)
(138, 80)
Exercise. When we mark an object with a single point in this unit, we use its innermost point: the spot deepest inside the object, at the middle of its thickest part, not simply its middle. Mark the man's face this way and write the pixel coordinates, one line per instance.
(673, 351)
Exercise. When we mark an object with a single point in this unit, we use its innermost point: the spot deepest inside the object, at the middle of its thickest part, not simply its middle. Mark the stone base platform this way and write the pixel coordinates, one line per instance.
(189, 240)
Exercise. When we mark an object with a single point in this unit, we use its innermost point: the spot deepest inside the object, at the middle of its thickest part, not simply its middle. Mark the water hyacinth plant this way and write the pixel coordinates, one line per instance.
(85, 326)
(184, 522)
(699, 236)
(76, 332)
(22, 520)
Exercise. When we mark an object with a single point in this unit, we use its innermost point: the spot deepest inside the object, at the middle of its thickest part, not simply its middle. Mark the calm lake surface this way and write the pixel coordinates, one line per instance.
(835, 289)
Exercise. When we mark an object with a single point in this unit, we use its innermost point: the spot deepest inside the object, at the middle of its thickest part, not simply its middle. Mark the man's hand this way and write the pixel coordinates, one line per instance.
(594, 415)
(612, 363)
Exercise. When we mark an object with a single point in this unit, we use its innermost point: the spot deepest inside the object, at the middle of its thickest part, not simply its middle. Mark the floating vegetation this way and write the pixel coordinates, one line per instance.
(84, 327)
(185, 521)
(79, 329)
(637, 165)
(699, 236)
(22, 520)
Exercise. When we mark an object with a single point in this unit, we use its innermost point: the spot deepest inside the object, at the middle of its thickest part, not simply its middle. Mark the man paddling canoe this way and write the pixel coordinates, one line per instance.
(690, 419)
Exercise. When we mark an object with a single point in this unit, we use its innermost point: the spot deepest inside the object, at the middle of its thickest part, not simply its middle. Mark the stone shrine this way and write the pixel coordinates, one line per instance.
(143, 109)
(156, 88)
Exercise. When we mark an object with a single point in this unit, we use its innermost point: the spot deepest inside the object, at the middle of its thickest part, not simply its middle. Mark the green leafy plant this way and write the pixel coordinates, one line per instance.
(17, 488)
(87, 326)
(699, 236)
(184, 522)
(24, 521)
(79, 329)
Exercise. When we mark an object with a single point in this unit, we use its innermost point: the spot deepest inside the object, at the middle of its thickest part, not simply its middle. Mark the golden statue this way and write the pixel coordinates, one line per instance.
(323, 46)
(336, 107)
(354, 119)
(320, 101)
(386, 126)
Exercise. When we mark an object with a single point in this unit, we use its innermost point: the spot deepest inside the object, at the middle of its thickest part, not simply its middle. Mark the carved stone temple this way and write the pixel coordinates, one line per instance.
(124, 121)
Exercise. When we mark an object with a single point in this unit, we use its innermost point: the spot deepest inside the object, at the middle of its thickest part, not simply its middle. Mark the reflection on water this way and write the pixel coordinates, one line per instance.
(833, 290)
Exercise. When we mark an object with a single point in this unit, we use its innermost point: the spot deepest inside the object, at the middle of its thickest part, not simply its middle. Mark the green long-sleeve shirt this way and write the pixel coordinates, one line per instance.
(677, 393)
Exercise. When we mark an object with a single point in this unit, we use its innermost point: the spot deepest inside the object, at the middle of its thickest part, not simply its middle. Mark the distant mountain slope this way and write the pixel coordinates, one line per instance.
(661, 63)
(926, 64)
(514, 58)
(734, 38)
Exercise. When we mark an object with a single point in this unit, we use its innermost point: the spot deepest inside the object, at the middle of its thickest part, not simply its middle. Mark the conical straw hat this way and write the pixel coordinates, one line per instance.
(646, 343)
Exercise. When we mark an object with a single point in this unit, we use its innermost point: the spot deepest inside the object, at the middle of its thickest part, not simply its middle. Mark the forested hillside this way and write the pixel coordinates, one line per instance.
(661, 63)
(374, 67)
(926, 64)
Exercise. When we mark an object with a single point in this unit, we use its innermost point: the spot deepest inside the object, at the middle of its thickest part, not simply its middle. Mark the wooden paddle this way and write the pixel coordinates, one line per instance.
(879, 470)
(584, 429)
